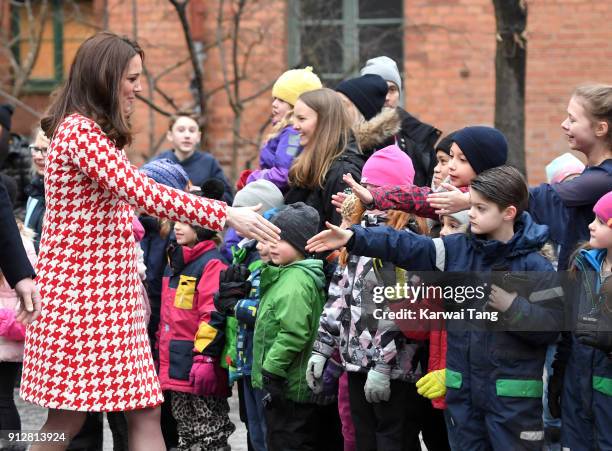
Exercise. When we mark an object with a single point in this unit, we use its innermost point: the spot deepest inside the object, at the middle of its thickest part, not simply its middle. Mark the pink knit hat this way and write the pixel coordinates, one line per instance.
(388, 166)
(603, 209)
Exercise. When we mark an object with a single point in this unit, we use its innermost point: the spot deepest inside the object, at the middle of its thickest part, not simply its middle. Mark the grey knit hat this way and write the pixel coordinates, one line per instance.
(259, 192)
(385, 67)
(298, 223)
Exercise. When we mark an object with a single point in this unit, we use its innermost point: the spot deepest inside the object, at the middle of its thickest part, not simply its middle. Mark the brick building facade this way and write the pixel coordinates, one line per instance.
(447, 46)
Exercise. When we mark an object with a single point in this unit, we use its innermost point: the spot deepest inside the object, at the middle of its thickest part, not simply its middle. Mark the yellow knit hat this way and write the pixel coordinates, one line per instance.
(295, 82)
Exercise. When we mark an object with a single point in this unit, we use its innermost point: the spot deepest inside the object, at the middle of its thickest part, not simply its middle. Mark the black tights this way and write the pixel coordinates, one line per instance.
(9, 416)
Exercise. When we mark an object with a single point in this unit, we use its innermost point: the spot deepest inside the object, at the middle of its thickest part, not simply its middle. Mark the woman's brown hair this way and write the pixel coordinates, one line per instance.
(93, 87)
(330, 138)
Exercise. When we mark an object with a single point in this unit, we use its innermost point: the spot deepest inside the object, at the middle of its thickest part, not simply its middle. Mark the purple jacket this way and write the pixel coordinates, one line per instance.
(276, 157)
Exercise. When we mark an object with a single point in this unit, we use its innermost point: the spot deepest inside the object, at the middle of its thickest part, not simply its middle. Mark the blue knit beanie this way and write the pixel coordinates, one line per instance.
(368, 93)
(166, 172)
(484, 147)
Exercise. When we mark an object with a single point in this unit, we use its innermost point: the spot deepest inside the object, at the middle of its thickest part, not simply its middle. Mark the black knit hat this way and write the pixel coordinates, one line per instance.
(298, 223)
(6, 111)
(445, 143)
(367, 93)
(483, 147)
(212, 189)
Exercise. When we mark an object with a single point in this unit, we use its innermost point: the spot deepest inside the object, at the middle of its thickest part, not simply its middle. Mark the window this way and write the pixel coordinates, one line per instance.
(336, 37)
(65, 25)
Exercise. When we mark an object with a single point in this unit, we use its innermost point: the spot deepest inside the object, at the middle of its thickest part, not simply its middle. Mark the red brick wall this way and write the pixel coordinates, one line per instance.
(450, 79)
(449, 67)
(160, 34)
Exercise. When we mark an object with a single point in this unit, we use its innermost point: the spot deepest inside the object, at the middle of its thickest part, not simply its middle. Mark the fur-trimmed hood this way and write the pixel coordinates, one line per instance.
(374, 134)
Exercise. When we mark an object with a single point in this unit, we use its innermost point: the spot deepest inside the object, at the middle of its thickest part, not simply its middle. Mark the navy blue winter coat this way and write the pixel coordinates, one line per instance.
(567, 207)
(516, 356)
(587, 389)
(155, 259)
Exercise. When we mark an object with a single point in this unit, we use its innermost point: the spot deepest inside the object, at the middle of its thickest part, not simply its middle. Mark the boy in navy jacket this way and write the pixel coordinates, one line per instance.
(494, 378)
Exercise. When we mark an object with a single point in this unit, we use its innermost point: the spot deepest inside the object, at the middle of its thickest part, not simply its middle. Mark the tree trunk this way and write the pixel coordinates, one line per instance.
(510, 65)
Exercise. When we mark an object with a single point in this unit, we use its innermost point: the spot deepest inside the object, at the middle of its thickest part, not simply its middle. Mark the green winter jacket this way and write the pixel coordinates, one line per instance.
(292, 299)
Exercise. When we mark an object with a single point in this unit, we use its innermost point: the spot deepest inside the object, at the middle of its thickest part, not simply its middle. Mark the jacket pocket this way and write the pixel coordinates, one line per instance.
(181, 359)
(603, 385)
(454, 379)
(519, 388)
(185, 291)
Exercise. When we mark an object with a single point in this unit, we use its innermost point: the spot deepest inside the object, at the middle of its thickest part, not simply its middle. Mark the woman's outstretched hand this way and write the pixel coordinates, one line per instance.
(250, 224)
(332, 238)
(450, 201)
(362, 193)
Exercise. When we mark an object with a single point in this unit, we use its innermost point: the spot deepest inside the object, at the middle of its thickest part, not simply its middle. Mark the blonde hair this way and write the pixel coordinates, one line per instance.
(280, 125)
(331, 136)
(597, 101)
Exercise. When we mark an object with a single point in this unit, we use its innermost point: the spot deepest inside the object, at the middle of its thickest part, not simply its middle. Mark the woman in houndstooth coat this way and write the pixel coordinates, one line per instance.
(88, 349)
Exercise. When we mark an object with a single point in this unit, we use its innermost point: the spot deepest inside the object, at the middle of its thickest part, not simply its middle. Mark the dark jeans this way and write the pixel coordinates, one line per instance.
(255, 414)
(9, 416)
(168, 423)
(291, 426)
(119, 429)
(389, 425)
(433, 427)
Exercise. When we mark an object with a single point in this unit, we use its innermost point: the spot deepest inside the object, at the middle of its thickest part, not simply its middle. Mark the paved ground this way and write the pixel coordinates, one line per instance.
(33, 417)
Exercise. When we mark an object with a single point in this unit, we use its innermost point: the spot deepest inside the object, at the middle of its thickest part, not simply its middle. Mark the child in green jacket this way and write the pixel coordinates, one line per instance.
(292, 298)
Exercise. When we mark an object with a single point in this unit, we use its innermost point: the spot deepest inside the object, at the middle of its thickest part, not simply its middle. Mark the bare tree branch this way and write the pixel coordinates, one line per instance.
(222, 56)
(181, 8)
(259, 92)
(21, 104)
(22, 69)
(152, 105)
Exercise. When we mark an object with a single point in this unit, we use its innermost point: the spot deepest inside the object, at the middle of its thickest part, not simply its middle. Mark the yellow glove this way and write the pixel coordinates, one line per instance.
(433, 384)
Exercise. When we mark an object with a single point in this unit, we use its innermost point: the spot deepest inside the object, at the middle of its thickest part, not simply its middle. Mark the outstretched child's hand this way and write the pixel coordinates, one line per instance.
(327, 240)
(450, 201)
(337, 200)
(362, 193)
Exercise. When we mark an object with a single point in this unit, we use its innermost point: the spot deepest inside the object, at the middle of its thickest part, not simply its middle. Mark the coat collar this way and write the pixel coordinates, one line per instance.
(181, 256)
(528, 237)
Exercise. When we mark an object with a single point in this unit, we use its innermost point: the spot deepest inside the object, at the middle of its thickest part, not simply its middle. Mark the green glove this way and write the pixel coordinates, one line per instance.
(377, 387)
(433, 384)
(314, 371)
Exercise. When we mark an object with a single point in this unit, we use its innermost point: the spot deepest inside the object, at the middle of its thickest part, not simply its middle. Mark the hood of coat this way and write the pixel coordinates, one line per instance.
(528, 237)
(312, 267)
(376, 133)
(592, 258)
(180, 256)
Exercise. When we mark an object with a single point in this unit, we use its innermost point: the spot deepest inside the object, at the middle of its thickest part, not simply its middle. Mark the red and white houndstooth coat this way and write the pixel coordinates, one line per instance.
(89, 349)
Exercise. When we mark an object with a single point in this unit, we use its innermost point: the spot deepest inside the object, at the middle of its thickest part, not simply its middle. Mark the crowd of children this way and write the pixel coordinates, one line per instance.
(365, 200)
